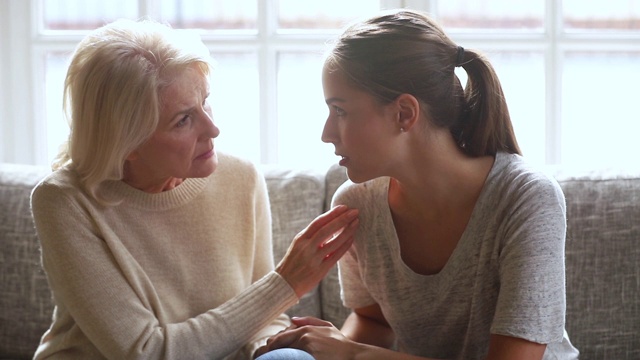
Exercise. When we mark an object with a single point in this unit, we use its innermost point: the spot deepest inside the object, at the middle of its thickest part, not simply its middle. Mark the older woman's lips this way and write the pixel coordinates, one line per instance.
(206, 155)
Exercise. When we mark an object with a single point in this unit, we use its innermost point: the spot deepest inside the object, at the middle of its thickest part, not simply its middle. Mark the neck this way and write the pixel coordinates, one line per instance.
(149, 185)
(438, 180)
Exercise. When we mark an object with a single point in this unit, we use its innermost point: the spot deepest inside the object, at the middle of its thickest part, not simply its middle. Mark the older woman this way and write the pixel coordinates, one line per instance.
(155, 245)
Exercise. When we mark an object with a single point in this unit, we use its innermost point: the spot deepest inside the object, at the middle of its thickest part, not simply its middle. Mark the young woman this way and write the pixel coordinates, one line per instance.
(155, 245)
(460, 252)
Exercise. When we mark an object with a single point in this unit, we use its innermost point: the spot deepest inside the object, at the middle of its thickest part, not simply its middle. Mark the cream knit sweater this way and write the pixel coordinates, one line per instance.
(183, 274)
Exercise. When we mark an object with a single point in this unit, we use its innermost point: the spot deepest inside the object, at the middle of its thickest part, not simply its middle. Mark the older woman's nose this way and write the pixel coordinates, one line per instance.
(211, 130)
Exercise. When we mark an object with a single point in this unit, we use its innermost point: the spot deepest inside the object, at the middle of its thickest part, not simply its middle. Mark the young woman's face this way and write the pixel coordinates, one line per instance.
(182, 144)
(360, 128)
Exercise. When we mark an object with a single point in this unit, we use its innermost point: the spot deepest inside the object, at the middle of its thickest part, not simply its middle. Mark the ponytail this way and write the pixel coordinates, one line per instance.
(485, 126)
(419, 59)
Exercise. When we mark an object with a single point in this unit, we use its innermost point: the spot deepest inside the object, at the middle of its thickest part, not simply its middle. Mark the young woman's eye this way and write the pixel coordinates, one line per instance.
(339, 111)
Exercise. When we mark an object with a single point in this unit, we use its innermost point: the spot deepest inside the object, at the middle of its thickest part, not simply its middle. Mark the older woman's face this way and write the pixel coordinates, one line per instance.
(182, 145)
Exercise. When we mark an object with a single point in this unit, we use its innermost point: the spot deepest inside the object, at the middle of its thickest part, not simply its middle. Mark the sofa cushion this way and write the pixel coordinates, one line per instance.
(332, 308)
(603, 263)
(25, 303)
(296, 198)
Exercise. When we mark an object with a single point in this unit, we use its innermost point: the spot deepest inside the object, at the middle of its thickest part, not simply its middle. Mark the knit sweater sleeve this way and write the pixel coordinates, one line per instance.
(111, 315)
(263, 264)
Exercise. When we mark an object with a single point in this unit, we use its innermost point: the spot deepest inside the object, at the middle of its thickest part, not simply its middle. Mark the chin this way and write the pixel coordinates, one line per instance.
(207, 168)
(356, 177)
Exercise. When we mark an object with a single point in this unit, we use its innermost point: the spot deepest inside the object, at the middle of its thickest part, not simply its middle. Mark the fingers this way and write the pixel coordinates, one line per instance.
(333, 249)
(318, 336)
(325, 218)
(282, 339)
(309, 320)
(317, 248)
(327, 225)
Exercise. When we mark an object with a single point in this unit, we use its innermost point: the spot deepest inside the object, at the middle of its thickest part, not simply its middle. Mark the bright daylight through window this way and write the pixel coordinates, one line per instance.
(568, 68)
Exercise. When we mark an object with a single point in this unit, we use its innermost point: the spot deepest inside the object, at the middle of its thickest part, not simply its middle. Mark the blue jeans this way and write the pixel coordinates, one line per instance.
(286, 354)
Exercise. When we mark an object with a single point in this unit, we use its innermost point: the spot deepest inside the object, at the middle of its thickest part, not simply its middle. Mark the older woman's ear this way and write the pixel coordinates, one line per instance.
(132, 156)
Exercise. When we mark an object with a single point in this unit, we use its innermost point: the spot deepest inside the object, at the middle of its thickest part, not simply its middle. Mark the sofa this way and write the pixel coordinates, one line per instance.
(602, 256)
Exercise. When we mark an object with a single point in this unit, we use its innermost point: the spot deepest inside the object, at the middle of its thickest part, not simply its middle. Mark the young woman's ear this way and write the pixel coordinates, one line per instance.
(408, 111)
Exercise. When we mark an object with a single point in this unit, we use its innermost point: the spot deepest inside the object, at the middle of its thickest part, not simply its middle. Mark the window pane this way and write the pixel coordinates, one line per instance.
(326, 14)
(620, 15)
(302, 112)
(57, 129)
(235, 103)
(234, 100)
(207, 14)
(85, 14)
(599, 115)
(523, 81)
(464, 15)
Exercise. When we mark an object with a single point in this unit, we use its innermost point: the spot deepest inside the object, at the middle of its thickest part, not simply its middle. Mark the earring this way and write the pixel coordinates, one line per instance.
(401, 129)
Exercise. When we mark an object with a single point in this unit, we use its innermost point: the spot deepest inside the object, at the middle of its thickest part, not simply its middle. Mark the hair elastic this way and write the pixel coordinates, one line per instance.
(460, 56)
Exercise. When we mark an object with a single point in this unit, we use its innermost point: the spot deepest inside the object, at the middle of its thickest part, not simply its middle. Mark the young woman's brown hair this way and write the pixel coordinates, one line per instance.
(407, 52)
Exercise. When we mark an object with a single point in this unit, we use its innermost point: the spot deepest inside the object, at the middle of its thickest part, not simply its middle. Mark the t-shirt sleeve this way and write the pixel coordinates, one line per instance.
(531, 301)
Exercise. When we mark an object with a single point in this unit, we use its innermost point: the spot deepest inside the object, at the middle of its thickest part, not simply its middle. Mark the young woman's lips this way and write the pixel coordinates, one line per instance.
(343, 160)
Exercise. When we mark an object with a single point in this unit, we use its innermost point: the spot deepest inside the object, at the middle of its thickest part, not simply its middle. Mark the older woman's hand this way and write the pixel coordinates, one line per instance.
(317, 337)
(317, 248)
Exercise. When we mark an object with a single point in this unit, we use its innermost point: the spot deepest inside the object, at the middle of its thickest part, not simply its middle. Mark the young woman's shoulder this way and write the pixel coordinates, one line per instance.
(357, 195)
(522, 179)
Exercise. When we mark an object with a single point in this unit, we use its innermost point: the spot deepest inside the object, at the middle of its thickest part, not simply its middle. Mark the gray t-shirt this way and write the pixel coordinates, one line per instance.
(506, 275)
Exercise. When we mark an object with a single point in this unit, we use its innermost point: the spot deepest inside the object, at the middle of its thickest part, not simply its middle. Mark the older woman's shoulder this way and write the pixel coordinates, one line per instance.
(63, 183)
(230, 165)
(64, 178)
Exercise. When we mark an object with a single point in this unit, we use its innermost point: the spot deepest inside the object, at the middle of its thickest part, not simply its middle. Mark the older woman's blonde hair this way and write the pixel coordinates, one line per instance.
(112, 93)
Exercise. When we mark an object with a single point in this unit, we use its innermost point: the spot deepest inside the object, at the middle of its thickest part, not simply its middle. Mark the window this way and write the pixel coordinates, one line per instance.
(568, 69)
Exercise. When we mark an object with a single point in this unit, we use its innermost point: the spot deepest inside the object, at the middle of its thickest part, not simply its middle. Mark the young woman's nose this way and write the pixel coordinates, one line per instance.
(328, 132)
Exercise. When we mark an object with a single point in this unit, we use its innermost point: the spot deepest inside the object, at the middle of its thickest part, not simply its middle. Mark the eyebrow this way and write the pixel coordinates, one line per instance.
(188, 110)
(334, 99)
(181, 112)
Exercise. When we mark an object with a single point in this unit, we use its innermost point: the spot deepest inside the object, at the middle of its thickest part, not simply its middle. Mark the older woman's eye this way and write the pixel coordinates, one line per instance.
(182, 122)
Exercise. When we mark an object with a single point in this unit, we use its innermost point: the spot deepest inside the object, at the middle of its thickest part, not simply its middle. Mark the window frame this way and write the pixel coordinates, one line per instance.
(24, 44)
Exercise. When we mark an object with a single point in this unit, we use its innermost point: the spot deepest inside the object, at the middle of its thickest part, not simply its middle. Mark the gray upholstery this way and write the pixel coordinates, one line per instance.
(603, 257)
(296, 199)
(332, 309)
(25, 301)
(603, 264)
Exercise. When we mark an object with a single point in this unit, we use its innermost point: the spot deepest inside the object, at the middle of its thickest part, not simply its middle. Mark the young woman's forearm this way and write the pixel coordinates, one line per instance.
(365, 330)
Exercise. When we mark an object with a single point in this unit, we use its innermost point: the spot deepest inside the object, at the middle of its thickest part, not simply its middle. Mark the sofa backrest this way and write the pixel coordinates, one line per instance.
(296, 198)
(602, 256)
(603, 263)
(25, 300)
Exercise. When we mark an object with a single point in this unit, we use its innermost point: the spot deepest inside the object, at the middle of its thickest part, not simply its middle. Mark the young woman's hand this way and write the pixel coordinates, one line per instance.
(315, 250)
(317, 337)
